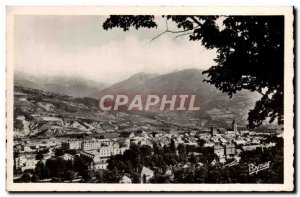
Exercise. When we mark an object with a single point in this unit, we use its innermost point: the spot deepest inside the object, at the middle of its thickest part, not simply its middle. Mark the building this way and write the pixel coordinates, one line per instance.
(219, 150)
(107, 151)
(95, 144)
(97, 159)
(251, 147)
(94, 160)
(99, 164)
(29, 164)
(19, 162)
(112, 136)
(146, 174)
(213, 130)
(71, 144)
(234, 126)
(230, 150)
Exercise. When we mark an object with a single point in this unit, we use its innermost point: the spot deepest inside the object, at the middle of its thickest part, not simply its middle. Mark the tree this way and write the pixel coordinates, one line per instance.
(41, 170)
(79, 164)
(57, 166)
(59, 152)
(55, 180)
(136, 177)
(69, 175)
(26, 178)
(39, 156)
(173, 146)
(87, 175)
(35, 178)
(250, 54)
(99, 175)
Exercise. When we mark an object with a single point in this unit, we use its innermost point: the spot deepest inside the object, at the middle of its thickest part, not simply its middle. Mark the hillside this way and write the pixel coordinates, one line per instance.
(45, 113)
(72, 86)
(214, 104)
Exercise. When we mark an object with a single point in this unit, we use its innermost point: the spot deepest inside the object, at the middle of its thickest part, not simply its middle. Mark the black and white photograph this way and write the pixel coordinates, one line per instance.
(150, 99)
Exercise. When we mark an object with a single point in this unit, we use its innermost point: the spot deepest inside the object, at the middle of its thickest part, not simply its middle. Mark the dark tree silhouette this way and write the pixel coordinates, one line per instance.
(250, 54)
(25, 178)
(69, 175)
(87, 175)
(39, 156)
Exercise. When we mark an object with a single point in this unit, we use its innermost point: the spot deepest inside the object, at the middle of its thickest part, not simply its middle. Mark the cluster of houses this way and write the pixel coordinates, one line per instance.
(98, 148)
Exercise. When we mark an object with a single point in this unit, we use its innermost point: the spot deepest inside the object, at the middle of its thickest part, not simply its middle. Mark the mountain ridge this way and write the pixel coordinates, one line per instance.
(72, 86)
(214, 103)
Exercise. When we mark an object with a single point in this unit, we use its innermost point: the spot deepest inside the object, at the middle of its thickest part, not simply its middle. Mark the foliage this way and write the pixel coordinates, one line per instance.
(35, 178)
(80, 165)
(41, 170)
(87, 175)
(58, 166)
(59, 152)
(69, 175)
(39, 156)
(25, 178)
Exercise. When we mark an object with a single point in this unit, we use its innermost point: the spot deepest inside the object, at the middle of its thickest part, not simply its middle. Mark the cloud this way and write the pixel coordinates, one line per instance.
(113, 60)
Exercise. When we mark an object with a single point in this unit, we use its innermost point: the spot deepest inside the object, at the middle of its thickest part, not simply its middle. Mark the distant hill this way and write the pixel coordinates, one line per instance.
(46, 114)
(214, 104)
(72, 86)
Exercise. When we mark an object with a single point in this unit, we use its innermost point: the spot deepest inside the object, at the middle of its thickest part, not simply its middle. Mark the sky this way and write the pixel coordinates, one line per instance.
(49, 45)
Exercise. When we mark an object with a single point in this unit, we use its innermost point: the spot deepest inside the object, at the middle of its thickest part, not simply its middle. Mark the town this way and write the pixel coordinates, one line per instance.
(137, 156)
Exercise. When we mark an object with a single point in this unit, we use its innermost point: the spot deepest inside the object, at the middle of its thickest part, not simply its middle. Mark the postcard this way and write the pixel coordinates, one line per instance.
(150, 99)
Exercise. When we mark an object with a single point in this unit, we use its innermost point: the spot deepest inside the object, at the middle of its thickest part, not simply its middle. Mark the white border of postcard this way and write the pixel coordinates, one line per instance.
(77, 10)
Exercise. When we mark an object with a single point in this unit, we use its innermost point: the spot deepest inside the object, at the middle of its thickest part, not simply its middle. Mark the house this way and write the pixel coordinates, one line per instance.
(125, 179)
(146, 174)
(29, 164)
(97, 159)
(230, 149)
(97, 165)
(219, 150)
(94, 144)
(71, 144)
(251, 147)
(19, 162)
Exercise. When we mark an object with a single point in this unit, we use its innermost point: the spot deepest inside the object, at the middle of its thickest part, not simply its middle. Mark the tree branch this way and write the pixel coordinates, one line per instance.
(174, 32)
(158, 35)
(184, 34)
(195, 20)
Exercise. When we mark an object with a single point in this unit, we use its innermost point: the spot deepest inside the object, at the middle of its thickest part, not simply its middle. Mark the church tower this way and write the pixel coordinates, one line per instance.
(234, 126)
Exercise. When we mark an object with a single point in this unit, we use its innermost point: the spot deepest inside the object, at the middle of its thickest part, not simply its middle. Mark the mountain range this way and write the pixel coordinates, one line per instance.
(214, 104)
(72, 86)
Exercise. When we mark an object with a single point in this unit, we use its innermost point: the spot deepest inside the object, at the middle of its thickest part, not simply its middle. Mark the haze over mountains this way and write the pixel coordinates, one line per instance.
(72, 86)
